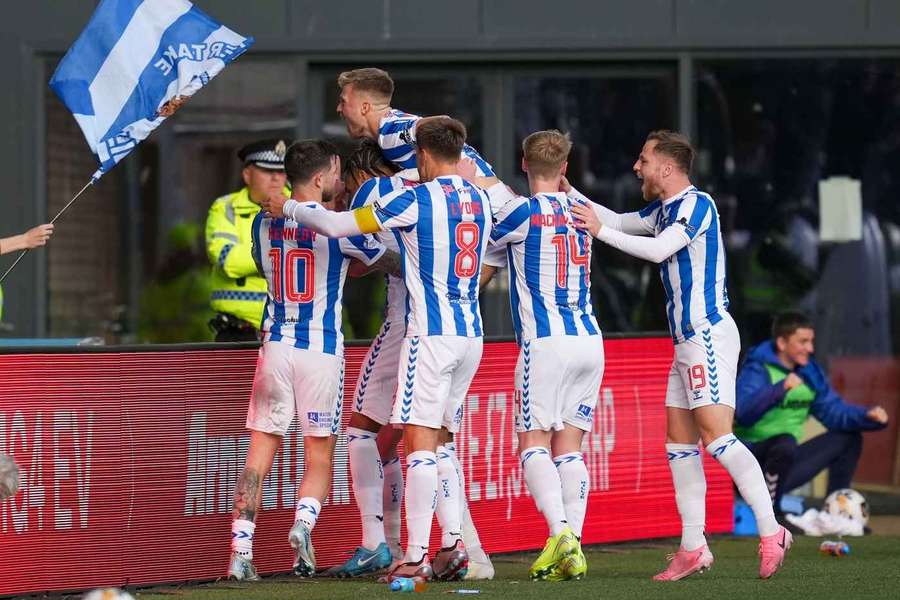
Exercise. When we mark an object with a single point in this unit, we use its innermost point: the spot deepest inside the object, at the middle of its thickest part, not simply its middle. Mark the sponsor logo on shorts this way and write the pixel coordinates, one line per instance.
(457, 418)
(584, 412)
(319, 418)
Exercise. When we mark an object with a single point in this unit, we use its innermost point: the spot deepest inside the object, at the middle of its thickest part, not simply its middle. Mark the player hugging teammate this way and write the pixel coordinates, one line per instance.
(428, 210)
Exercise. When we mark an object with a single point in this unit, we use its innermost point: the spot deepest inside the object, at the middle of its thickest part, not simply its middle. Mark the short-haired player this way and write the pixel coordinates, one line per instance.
(300, 369)
(561, 359)
(679, 230)
(443, 227)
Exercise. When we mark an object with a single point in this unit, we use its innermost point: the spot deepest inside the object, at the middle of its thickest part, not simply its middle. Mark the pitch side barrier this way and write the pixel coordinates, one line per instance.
(129, 458)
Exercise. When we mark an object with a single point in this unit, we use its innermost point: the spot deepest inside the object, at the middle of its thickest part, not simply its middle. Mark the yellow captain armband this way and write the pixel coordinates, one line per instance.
(365, 218)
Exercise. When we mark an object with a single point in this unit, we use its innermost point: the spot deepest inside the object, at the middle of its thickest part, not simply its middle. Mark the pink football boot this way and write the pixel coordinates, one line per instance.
(686, 562)
(772, 549)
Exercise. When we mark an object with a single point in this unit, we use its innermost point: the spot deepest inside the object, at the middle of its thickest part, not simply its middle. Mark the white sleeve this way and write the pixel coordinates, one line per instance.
(632, 223)
(362, 247)
(655, 249)
(499, 196)
(326, 222)
(495, 256)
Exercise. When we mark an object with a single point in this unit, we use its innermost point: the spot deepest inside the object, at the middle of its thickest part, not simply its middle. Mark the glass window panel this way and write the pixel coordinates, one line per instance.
(769, 131)
(608, 119)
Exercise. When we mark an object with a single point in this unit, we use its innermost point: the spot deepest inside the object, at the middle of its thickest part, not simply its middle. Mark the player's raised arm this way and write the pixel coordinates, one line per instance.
(326, 222)
(655, 249)
(633, 223)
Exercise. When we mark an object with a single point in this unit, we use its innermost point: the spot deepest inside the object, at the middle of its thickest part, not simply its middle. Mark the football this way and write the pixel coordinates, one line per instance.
(108, 594)
(847, 503)
(9, 476)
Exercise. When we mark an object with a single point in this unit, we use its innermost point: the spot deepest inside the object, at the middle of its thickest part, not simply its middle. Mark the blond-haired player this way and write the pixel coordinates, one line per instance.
(561, 359)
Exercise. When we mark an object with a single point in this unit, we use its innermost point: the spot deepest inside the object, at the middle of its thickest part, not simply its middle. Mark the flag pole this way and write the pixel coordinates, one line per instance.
(53, 220)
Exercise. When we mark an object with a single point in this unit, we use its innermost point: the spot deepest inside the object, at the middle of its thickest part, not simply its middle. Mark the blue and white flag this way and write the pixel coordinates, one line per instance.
(134, 65)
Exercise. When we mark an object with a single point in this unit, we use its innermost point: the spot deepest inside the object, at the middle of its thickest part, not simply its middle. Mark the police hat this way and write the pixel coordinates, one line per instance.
(265, 154)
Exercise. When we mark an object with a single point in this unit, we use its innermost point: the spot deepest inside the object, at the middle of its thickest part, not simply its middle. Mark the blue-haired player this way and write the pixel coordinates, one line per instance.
(679, 230)
(301, 363)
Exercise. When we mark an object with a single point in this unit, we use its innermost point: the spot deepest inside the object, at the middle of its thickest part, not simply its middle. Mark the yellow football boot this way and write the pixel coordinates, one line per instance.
(573, 566)
(557, 548)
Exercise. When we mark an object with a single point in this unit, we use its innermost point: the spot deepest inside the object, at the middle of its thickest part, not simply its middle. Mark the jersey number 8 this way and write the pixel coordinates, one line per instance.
(466, 263)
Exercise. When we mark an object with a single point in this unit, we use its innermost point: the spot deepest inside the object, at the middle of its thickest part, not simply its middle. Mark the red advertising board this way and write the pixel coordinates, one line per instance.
(129, 461)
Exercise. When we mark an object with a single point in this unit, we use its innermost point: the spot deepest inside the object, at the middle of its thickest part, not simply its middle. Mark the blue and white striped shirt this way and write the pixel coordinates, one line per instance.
(549, 267)
(371, 191)
(444, 227)
(397, 138)
(693, 277)
(305, 272)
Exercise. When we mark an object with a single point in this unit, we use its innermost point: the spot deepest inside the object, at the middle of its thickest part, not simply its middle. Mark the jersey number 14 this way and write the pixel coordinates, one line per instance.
(567, 249)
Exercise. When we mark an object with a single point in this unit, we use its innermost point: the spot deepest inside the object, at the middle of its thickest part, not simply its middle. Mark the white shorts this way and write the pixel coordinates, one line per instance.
(289, 379)
(435, 373)
(558, 381)
(704, 371)
(376, 387)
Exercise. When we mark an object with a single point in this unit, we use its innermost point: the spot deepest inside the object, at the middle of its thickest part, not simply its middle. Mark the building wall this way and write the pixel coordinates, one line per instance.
(473, 31)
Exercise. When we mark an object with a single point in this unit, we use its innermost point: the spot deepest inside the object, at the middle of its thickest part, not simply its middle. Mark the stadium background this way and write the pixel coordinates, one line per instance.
(776, 95)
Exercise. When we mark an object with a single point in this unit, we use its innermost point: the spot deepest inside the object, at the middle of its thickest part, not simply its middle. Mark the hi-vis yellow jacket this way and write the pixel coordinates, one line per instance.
(237, 287)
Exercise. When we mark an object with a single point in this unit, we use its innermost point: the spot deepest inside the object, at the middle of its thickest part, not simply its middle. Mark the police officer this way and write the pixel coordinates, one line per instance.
(238, 291)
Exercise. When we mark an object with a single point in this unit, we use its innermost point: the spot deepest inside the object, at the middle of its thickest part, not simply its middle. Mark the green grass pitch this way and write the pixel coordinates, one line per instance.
(621, 571)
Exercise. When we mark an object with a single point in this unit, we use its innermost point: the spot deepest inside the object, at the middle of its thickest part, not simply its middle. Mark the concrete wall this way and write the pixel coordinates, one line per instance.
(464, 30)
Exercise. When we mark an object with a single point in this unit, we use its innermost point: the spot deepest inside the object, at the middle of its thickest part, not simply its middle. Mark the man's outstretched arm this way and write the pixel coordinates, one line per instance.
(655, 249)
(328, 223)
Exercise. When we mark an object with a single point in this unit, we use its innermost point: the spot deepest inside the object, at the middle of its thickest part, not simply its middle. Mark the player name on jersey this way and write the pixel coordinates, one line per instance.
(292, 234)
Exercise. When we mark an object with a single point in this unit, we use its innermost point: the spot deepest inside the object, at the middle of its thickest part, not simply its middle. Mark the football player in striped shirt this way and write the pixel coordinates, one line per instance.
(561, 361)
(301, 365)
(374, 463)
(686, 241)
(375, 467)
(365, 106)
(443, 228)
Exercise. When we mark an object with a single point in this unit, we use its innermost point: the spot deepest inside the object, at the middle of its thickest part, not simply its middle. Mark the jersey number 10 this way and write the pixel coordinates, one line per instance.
(292, 261)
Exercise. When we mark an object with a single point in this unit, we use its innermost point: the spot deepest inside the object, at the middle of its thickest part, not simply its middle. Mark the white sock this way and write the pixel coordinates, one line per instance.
(543, 483)
(242, 537)
(573, 476)
(392, 501)
(308, 509)
(469, 533)
(747, 475)
(686, 464)
(449, 510)
(368, 484)
(421, 499)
